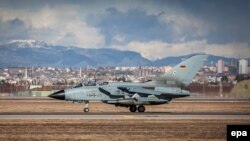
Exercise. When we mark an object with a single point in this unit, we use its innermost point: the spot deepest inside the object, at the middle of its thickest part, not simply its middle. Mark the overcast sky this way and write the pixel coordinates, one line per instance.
(155, 29)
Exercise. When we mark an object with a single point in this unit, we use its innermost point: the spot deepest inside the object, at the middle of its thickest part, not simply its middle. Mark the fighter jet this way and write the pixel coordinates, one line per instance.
(161, 90)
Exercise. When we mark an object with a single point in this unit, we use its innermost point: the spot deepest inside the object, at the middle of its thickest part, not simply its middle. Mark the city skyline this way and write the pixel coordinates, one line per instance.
(156, 29)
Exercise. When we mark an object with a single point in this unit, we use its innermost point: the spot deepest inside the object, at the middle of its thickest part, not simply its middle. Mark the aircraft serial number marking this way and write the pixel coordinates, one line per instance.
(93, 95)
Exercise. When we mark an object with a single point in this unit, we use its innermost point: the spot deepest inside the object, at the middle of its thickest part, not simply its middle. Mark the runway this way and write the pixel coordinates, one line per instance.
(37, 108)
(124, 115)
(193, 119)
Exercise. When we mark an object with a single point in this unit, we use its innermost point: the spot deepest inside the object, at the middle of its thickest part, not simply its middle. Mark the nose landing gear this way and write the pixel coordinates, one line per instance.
(86, 107)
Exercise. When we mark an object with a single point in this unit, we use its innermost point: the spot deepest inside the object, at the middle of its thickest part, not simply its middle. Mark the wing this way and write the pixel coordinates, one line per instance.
(109, 93)
(158, 92)
(144, 92)
(139, 90)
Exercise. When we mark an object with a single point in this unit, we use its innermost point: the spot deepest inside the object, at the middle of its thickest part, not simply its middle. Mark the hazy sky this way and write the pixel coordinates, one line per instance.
(154, 28)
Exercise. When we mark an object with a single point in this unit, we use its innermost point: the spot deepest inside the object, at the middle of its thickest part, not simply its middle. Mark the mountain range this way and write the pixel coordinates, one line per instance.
(38, 53)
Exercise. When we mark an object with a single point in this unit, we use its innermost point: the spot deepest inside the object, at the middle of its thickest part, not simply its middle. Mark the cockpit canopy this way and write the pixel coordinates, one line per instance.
(90, 83)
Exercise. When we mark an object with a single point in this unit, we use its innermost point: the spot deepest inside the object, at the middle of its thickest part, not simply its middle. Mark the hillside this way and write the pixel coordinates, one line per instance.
(19, 53)
(241, 90)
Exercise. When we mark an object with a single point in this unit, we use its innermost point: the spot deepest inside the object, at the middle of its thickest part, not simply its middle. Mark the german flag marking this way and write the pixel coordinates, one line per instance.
(183, 67)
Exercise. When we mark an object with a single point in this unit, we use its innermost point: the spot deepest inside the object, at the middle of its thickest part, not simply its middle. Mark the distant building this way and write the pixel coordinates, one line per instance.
(220, 66)
(243, 66)
(80, 72)
(226, 69)
(234, 63)
(26, 73)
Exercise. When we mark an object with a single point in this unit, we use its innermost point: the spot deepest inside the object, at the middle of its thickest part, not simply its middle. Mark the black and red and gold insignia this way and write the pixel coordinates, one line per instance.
(183, 67)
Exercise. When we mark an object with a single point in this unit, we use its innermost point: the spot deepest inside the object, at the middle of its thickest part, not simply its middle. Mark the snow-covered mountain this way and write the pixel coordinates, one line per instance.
(37, 53)
(34, 53)
(27, 44)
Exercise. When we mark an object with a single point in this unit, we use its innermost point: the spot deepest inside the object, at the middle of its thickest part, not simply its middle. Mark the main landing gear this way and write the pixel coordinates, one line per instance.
(86, 107)
(133, 108)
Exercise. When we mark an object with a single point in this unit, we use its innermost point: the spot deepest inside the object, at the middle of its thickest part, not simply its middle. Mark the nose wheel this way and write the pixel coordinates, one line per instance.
(86, 107)
(86, 110)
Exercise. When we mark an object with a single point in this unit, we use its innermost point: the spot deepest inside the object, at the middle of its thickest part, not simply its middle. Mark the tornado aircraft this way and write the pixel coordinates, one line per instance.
(160, 90)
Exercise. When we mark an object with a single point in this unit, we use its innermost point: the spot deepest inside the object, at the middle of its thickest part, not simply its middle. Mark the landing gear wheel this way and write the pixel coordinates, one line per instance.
(86, 107)
(132, 108)
(141, 108)
(86, 110)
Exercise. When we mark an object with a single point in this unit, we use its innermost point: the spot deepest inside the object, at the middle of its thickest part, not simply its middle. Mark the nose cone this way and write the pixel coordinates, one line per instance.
(58, 95)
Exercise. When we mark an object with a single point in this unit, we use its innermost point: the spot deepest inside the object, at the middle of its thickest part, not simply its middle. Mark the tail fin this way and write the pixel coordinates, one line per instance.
(185, 71)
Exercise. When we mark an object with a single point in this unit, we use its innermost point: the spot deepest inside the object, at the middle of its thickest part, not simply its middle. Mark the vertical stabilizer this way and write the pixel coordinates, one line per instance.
(185, 71)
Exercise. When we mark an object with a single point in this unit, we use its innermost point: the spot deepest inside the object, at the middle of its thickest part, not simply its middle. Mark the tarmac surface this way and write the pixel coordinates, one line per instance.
(124, 115)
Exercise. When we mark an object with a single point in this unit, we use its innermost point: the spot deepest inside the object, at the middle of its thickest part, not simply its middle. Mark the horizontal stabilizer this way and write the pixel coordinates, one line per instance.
(175, 95)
